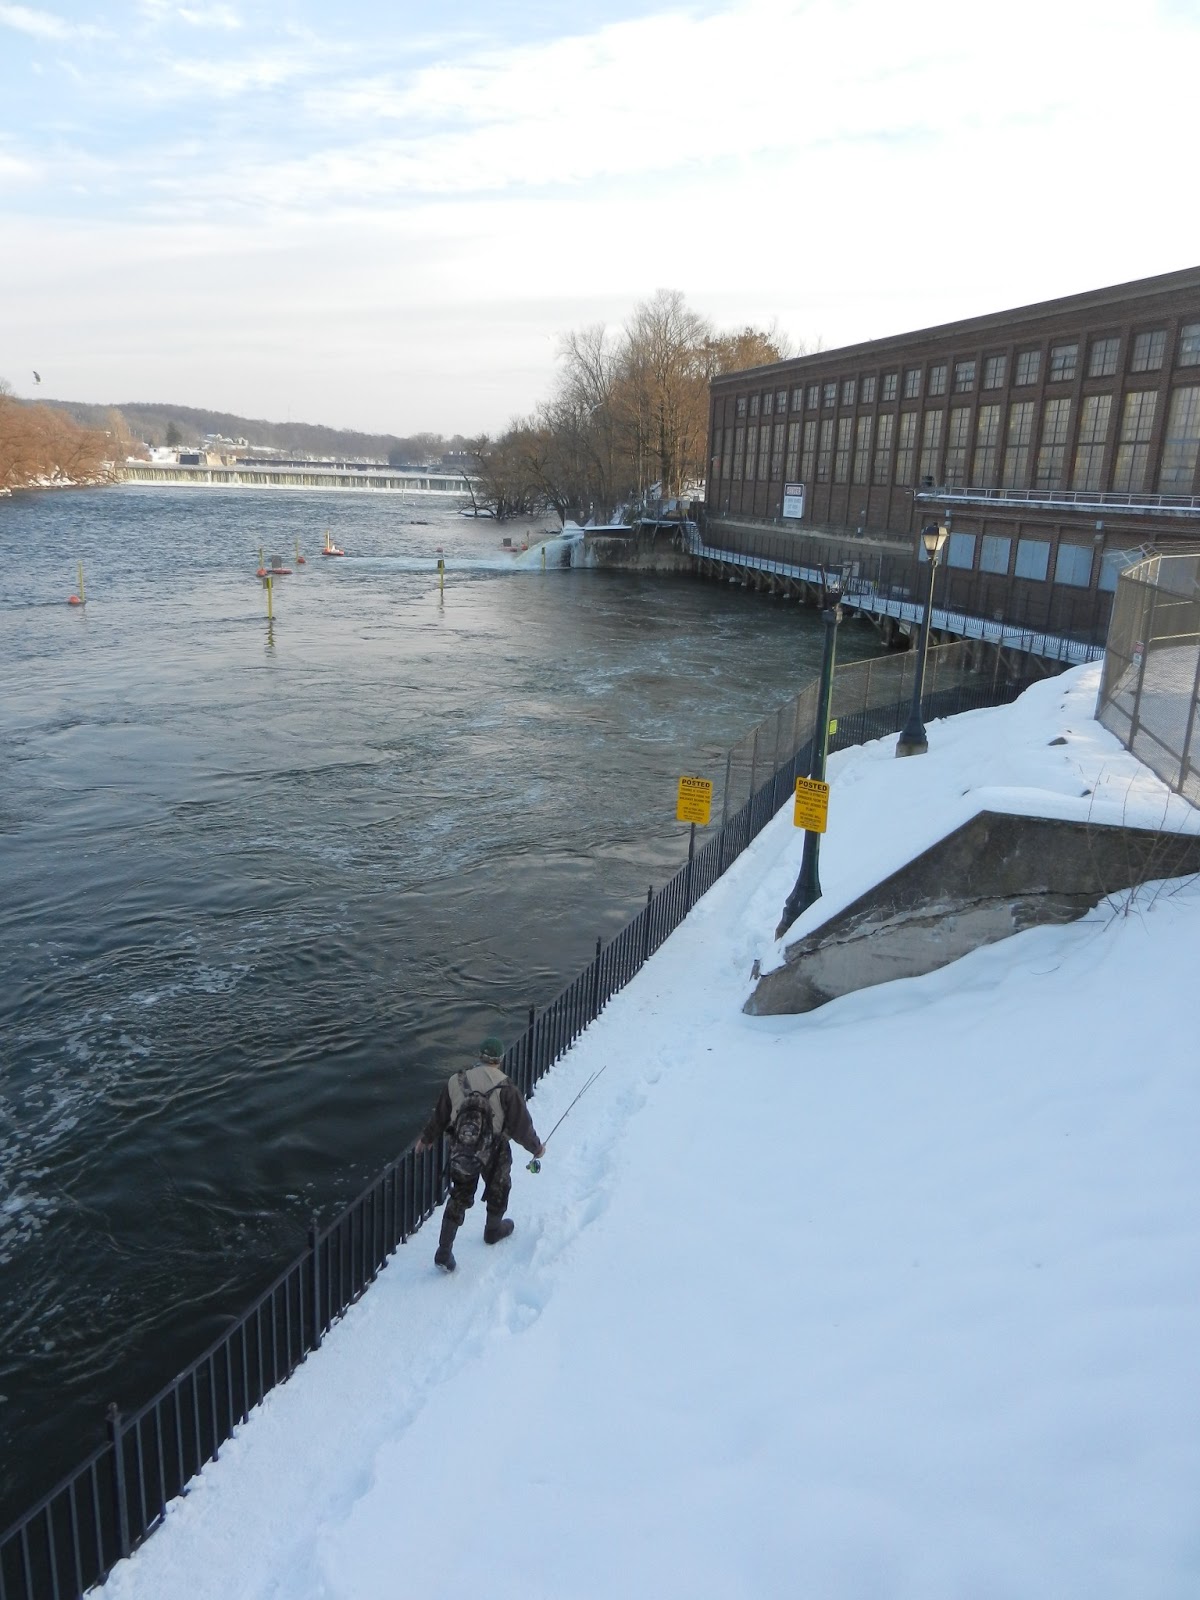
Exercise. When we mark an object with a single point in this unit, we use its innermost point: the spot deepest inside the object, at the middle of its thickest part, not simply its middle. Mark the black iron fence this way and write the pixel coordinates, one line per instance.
(1150, 694)
(1028, 605)
(72, 1538)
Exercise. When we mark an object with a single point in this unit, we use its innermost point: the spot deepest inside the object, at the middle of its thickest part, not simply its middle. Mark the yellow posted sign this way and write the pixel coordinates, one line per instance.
(812, 804)
(695, 801)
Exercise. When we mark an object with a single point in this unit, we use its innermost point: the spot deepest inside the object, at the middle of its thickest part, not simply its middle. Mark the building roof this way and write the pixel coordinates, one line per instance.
(1052, 311)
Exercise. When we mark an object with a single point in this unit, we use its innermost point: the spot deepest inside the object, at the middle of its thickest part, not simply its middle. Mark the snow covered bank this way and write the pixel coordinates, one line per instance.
(896, 1299)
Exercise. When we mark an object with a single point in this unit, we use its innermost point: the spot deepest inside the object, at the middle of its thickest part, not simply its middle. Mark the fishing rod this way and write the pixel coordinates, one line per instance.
(535, 1165)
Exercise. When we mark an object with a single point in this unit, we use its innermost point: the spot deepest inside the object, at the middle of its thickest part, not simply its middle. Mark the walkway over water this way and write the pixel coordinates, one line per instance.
(873, 598)
(391, 480)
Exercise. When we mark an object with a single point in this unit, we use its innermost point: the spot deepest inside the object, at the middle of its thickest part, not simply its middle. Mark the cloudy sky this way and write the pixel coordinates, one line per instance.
(384, 216)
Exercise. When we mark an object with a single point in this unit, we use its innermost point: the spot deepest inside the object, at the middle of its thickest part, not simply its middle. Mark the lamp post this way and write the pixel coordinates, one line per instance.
(807, 887)
(913, 740)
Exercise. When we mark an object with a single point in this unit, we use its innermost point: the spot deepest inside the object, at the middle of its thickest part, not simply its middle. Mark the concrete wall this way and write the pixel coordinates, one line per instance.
(993, 877)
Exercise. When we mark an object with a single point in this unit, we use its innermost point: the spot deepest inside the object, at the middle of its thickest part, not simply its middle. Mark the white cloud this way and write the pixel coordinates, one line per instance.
(44, 24)
(210, 17)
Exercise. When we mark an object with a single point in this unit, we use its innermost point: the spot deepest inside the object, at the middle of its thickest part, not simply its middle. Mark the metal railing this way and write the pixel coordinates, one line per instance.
(1150, 693)
(1152, 505)
(103, 1510)
(1061, 621)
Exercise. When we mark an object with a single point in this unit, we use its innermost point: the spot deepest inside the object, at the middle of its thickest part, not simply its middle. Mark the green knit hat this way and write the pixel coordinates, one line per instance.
(492, 1049)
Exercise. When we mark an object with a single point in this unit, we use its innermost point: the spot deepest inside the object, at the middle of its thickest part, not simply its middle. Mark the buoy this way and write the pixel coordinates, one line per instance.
(299, 557)
(74, 600)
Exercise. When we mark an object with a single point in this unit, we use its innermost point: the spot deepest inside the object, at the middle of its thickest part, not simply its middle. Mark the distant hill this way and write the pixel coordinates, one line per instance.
(189, 424)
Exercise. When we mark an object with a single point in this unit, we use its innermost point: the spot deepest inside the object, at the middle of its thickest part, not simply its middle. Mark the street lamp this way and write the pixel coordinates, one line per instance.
(807, 887)
(913, 740)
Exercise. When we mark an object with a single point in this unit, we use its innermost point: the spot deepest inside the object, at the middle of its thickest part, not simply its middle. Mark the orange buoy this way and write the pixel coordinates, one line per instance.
(300, 560)
(74, 600)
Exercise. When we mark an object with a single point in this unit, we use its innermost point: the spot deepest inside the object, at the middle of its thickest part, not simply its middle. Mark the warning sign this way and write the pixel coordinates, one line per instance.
(812, 804)
(695, 801)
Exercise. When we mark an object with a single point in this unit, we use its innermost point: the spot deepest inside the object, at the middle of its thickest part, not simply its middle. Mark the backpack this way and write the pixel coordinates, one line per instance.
(472, 1134)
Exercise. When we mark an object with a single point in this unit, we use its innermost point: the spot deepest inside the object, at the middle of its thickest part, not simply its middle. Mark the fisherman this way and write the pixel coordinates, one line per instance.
(481, 1109)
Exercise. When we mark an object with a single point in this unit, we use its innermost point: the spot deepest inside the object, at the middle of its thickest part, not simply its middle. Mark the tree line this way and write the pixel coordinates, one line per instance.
(42, 444)
(627, 424)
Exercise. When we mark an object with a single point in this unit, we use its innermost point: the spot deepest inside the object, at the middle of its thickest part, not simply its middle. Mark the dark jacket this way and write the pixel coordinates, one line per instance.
(517, 1124)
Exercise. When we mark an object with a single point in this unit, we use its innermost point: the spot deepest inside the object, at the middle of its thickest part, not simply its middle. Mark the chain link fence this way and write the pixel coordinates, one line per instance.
(1151, 687)
(870, 699)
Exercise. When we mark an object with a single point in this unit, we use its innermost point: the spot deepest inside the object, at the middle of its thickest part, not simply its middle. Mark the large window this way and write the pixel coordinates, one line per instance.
(1133, 441)
(888, 390)
(937, 378)
(1181, 444)
(994, 368)
(849, 391)
(994, 553)
(1102, 362)
(883, 448)
(987, 437)
(906, 443)
(931, 444)
(960, 550)
(1093, 431)
(1033, 559)
(741, 405)
(958, 439)
(825, 451)
(727, 463)
(1148, 351)
(768, 403)
(1063, 360)
(1189, 345)
(777, 439)
(964, 376)
(791, 470)
(764, 451)
(812, 396)
(808, 461)
(781, 402)
(862, 450)
(1029, 365)
(1056, 423)
(716, 452)
(797, 398)
(1073, 565)
(755, 404)
(829, 395)
(1016, 453)
(751, 450)
(739, 444)
(841, 464)
(912, 383)
(867, 391)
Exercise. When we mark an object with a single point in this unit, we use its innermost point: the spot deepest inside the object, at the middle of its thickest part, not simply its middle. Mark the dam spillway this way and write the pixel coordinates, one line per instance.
(385, 479)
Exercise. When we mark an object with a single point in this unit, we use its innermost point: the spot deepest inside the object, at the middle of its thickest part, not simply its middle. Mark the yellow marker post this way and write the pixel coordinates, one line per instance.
(812, 805)
(441, 575)
(82, 596)
(693, 804)
(267, 587)
(543, 558)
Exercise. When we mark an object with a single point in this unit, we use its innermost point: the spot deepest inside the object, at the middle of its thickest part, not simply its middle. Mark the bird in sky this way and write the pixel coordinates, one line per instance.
(37, 377)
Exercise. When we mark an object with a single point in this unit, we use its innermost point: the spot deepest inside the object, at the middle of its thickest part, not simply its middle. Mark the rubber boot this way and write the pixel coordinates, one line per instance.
(444, 1255)
(497, 1228)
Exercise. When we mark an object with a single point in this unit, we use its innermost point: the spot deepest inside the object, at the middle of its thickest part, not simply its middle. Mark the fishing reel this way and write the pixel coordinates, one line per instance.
(534, 1166)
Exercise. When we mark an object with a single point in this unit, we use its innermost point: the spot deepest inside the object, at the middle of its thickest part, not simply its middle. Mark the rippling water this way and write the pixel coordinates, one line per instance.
(262, 885)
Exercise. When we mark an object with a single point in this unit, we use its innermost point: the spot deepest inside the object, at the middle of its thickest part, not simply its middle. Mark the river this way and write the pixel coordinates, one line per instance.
(263, 884)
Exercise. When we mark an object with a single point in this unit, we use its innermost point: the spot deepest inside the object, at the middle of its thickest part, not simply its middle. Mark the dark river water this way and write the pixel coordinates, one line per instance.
(262, 885)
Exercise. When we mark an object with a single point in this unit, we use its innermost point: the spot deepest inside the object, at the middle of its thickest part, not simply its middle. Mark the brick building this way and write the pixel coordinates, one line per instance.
(1052, 438)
